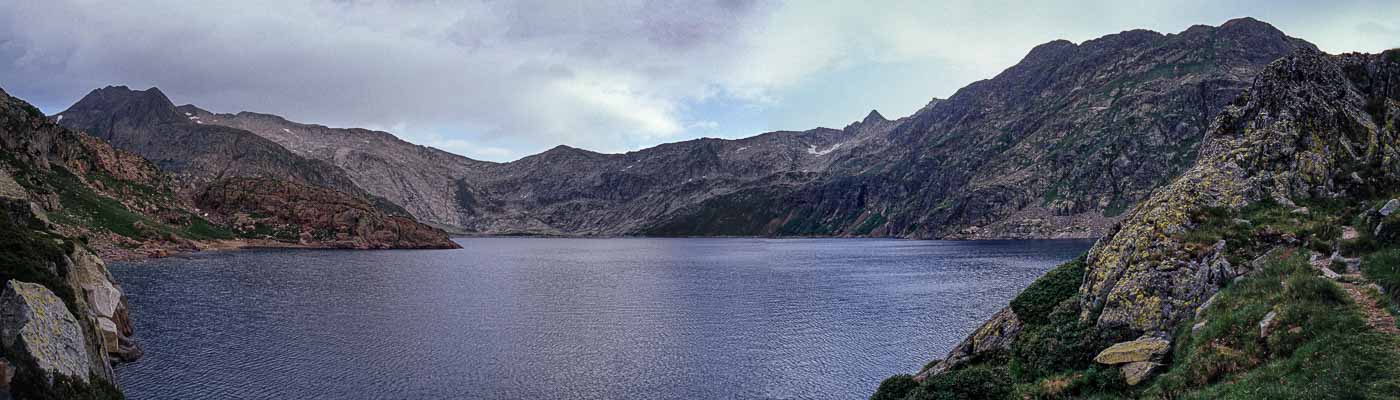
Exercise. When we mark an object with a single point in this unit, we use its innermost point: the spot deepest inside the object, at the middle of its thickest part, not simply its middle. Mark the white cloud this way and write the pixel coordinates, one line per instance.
(496, 78)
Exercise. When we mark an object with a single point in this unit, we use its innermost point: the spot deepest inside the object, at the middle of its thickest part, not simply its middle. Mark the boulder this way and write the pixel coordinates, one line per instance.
(1330, 274)
(1145, 348)
(1198, 326)
(105, 302)
(36, 323)
(1390, 207)
(1350, 233)
(1136, 372)
(996, 334)
(1266, 325)
(1351, 265)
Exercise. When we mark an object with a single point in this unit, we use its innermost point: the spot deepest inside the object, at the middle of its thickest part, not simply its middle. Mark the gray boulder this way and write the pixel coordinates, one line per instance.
(1390, 207)
(36, 323)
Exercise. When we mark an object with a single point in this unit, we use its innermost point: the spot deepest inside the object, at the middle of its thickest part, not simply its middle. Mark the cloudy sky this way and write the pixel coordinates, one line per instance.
(499, 80)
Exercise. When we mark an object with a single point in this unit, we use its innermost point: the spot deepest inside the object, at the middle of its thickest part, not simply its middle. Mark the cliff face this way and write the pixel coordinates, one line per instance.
(313, 216)
(1300, 163)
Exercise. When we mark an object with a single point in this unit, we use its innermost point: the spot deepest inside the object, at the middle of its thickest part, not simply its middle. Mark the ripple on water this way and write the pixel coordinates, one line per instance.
(566, 318)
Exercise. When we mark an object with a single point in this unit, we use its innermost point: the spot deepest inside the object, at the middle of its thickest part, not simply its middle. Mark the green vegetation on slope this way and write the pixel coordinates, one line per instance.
(1318, 345)
(82, 206)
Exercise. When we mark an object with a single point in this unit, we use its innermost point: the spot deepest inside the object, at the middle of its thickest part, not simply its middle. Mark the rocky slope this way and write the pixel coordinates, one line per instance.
(313, 216)
(146, 123)
(563, 191)
(421, 179)
(61, 314)
(1300, 163)
(1059, 145)
(158, 212)
(1055, 146)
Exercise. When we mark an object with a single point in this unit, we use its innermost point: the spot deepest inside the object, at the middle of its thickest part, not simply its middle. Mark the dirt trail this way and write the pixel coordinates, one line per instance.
(1376, 314)
(1358, 287)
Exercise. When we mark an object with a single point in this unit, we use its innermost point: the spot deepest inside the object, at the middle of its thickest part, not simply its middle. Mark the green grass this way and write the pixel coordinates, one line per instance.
(83, 206)
(1383, 268)
(28, 254)
(1255, 228)
(1320, 348)
(201, 229)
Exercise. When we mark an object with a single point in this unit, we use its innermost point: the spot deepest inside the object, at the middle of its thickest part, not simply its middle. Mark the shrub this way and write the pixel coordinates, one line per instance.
(972, 383)
(895, 387)
(1035, 304)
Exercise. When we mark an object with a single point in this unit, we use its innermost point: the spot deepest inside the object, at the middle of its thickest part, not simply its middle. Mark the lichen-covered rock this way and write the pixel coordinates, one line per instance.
(1146, 348)
(1136, 372)
(996, 334)
(1308, 124)
(37, 324)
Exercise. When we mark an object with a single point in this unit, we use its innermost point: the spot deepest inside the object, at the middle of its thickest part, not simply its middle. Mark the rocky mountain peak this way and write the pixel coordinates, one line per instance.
(873, 117)
(150, 105)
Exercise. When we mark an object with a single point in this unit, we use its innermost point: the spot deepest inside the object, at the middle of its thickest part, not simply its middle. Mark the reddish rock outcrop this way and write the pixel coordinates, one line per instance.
(313, 216)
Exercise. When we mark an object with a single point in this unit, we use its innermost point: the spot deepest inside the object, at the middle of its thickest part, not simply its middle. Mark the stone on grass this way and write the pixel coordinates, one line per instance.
(1145, 348)
(1136, 372)
(1267, 324)
(1390, 207)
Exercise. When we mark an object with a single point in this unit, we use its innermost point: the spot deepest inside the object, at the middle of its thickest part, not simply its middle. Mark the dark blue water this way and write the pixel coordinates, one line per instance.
(521, 318)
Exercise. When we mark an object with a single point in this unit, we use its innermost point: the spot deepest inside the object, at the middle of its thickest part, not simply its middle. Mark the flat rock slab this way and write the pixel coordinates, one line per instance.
(1136, 372)
(1142, 349)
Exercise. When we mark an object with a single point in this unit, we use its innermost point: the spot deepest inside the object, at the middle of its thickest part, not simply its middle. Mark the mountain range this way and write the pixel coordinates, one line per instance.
(1057, 146)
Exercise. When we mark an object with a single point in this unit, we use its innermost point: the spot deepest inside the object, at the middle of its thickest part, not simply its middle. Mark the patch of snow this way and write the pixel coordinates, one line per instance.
(199, 122)
(286, 130)
(741, 149)
(813, 149)
(188, 114)
(59, 119)
(192, 117)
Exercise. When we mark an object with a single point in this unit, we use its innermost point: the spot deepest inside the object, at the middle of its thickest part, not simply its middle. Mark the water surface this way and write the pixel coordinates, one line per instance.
(530, 318)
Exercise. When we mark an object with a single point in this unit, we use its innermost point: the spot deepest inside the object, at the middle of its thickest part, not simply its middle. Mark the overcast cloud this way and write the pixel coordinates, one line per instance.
(498, 80)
